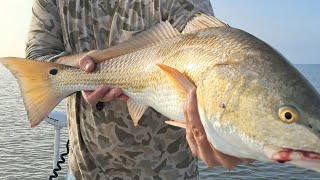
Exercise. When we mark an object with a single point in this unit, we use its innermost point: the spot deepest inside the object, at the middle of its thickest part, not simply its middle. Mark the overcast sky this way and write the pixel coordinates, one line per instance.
(290, 26)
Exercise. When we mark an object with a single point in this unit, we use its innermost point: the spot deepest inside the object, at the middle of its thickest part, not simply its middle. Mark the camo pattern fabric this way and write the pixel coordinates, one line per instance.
(104, 144)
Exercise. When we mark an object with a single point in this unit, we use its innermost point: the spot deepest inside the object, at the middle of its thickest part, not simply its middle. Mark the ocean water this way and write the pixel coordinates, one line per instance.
(27, 153)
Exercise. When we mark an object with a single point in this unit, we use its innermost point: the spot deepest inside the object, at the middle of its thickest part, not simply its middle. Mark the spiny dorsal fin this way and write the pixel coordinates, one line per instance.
(202, 21)
(182, 84)
(136, 110)
(161, 31)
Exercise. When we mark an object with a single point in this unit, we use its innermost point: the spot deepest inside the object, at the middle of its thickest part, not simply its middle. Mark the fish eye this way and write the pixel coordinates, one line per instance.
(288, 114)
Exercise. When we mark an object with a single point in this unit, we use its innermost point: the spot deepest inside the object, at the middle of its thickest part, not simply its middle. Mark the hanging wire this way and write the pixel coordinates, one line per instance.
(63, 160)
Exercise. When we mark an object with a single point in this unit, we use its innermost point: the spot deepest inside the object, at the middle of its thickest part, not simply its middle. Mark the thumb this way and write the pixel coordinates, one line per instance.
(86, 63)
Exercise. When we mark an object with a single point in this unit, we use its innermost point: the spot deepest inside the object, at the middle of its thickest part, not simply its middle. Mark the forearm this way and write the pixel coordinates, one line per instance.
(71, 60)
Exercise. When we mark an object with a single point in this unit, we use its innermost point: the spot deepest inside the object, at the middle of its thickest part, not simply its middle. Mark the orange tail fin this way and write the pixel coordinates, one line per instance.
(38, 93)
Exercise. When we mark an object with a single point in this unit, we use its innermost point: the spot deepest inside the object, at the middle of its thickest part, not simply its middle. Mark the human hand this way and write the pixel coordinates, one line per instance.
(198, 141)
(103, 93)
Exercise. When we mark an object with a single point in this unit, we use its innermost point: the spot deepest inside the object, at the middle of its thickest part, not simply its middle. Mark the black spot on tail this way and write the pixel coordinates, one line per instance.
(53, 71)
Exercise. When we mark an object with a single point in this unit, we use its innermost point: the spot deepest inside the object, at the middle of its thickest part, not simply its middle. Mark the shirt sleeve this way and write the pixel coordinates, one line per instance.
(45, 41)
(179, 12)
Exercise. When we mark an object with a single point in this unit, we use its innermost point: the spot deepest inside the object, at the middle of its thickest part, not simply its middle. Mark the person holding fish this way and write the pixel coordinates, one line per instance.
(104, 141)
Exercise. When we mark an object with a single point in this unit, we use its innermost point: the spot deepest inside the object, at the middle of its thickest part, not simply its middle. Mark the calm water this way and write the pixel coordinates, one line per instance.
(26, 153)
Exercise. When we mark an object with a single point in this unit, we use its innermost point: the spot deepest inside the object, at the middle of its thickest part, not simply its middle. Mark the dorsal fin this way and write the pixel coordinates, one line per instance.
(159, 32)
(202, 21)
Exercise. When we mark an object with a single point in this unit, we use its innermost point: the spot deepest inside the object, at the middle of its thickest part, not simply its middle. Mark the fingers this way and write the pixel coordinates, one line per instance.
(197, 138)
(111, 95)
(190, 115)
(191, 141)
(104, 94)
(93, 97)
(196, 133)
(123, 98)
(86, 64)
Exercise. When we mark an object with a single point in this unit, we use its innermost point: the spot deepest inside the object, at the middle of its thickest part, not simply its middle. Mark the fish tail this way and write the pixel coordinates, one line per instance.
(38, 93)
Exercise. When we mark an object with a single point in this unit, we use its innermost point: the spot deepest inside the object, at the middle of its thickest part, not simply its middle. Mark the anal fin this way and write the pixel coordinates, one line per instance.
(136, 110)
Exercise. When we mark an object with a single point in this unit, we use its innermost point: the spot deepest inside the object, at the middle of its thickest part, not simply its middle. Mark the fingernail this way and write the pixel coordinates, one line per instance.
(86, 67)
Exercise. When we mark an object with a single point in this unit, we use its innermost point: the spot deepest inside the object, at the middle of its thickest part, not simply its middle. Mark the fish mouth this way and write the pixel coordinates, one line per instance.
(301, 158)
(287, 154)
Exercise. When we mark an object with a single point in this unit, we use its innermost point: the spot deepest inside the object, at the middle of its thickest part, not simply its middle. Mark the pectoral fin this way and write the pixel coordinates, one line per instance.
(182, 84)
(176, 123)
(136, 110)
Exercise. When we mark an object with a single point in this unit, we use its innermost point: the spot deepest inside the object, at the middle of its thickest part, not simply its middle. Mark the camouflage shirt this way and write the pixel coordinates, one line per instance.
(104, 144)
